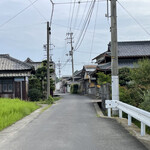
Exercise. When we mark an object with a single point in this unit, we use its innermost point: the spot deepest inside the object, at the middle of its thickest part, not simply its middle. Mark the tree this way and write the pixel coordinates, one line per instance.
(39, 81)
(103, 78)
(124, 76)
(141, 74)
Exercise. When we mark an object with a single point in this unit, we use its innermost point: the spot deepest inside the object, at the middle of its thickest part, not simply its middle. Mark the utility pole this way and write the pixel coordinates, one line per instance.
(114, 55)
(59, 65)
(48, 62)
(71, 53)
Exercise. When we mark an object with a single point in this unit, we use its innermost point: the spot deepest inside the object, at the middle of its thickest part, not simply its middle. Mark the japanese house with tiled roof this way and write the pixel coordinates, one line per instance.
(14, 77)
(87, 81)
(128, 54)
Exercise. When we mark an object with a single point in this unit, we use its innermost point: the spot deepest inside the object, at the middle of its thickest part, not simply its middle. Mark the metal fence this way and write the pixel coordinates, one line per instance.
(139, 114)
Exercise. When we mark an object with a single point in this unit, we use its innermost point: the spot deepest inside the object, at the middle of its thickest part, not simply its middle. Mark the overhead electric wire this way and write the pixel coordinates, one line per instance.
(134, 18)
(69, 18)
(94, 32)
(72, 15)
(20, 12)
(85, 26)
(82, 16)
(38, 11)
(64, 3)
(65, 63)
(76, 17)
(22, 27)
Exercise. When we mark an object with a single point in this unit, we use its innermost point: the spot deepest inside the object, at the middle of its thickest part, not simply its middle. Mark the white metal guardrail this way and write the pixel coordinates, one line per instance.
(139, 114)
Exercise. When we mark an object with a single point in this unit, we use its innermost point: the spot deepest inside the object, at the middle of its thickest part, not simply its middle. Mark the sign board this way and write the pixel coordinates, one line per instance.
(19, 79)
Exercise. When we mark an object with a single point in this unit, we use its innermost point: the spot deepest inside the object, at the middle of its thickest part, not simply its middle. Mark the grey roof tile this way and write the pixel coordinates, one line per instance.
(10, 63)
(129, 49)
(134, 48)
(130, 63)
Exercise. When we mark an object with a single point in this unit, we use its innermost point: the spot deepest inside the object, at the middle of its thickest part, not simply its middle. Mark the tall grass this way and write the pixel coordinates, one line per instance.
(12, 110)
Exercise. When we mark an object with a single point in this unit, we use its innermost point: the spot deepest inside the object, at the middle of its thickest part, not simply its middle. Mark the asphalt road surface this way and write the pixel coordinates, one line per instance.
(72, 124)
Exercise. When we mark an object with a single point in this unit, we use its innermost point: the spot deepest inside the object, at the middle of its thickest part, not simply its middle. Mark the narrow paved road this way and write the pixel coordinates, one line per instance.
(72, 124)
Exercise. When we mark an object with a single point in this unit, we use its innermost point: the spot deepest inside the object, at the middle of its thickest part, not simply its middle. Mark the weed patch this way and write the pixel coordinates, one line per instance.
(12, 110)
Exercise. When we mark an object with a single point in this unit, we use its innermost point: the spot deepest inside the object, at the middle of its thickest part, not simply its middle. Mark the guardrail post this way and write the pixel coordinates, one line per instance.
(129, 120)
(142, 129)
(109, 112)
(120, 113)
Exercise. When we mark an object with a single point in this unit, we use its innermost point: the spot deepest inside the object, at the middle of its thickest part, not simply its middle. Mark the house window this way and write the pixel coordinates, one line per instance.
(6, 86)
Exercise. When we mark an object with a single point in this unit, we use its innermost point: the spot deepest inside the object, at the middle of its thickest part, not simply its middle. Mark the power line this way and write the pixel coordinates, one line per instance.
(94, 32)
(20, 12)
(85, 25)
(22, 27)
(84, 52)
(64, 3)
(77, 13)
(69, 18)
(134, 18)
(72, 14)
(82, 16)
(38, 11)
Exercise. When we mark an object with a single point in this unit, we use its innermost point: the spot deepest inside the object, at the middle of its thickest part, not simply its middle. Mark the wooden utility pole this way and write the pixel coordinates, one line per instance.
(59, 68)
(48, 62)
(114, 54)
(71, 54)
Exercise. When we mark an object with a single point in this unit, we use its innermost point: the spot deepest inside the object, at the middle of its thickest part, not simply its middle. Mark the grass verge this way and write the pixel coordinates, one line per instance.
(45, 108)
(50, 100)
(12, 110)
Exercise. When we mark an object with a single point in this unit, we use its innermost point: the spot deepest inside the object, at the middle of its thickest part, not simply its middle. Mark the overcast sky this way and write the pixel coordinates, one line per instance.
(25, 35)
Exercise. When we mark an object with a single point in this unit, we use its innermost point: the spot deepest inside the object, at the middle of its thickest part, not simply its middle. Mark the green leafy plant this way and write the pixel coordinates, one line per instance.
(50, 100)
(124, 76)
(34, 94)
(74, 88)
(103, 78)
(146, 101)
(141, 74)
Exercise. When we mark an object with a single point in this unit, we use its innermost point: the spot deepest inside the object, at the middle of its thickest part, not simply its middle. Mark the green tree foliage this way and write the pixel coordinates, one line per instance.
(50, 100)
(34, 83)
(39, 80)
(141, 75)
(124, 76)
(137, 93)
(103, 78)
(146, 101)
(74, 88)
(34, 94)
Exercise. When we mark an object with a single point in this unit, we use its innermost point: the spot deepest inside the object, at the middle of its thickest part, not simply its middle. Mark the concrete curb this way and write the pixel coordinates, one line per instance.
(133, 130)
(14, 128)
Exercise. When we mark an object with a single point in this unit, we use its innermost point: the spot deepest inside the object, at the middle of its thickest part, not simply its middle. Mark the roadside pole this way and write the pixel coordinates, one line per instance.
(71, 53)
(114, 55)
(48, 63)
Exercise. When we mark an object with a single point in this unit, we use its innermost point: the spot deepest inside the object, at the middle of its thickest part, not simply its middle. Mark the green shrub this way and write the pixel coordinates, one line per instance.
(146, 101)
(34, 83)
(34, 94)
(74, 88)
(124, 76)
(125, 96)
(141, 75)
(103, 78)
(50, 100)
